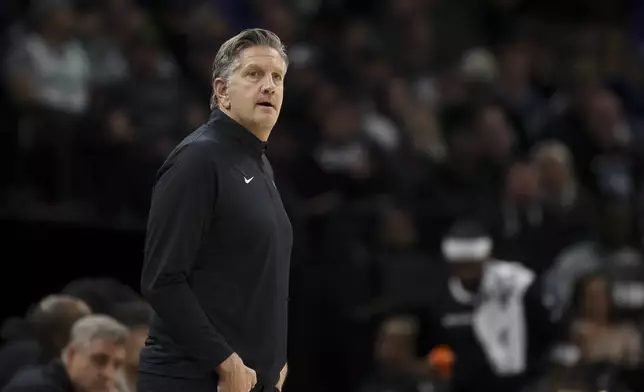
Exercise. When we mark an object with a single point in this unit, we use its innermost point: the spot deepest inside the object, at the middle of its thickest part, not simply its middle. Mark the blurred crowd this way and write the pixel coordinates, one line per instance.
(400, 117)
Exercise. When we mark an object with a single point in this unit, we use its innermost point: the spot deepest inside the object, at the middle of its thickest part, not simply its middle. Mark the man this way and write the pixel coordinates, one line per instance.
(50, 322)
(89, 363)
(490, 315)
(217, 252)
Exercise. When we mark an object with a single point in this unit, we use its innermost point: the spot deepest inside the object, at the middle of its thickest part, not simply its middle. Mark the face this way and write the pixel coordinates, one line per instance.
(523, 183)
(495, 132)
(253, 95)
(595, 299)
(515, 65)
(394, 348)
(94, 368)
(398, 229)
(553, 173)
(134, 345)
(604, 117)
(469, 272)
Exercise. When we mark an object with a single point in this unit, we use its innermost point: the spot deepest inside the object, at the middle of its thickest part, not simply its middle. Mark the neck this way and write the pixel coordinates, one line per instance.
(260, 132)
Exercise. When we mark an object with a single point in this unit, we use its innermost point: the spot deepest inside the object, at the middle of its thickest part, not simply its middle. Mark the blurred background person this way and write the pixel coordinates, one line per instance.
(91, 361)
(136, 317)
(490, 314)
(398, 366)
(48, 326)
(614, 253)
(594, 329)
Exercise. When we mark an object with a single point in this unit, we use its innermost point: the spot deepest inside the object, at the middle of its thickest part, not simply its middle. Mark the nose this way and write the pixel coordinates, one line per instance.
(268, 85)
(110, 373)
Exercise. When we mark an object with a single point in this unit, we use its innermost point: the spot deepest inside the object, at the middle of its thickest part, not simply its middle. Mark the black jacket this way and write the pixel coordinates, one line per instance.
(47, 378)
(217, 257)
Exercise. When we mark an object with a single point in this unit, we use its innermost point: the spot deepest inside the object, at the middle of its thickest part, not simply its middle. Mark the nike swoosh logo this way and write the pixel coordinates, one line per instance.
(248, 179)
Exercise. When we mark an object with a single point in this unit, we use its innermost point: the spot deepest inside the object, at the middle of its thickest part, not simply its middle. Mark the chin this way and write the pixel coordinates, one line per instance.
(267, 121)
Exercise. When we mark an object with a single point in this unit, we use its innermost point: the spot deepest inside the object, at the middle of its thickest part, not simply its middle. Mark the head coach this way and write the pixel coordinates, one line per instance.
(218, 241)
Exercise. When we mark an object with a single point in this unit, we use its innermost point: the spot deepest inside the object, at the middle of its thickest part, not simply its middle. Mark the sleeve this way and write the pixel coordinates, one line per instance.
(539, 313)
(180, 214)
(544, 329)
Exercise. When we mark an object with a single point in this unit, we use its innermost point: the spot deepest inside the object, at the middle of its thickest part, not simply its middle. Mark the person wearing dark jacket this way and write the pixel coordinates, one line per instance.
(218, 243)
(90, 362)
(490, 315)
(49, 323)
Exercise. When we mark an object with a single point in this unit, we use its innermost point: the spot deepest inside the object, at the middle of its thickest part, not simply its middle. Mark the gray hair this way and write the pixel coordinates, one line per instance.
(93, 327)
(226, 60)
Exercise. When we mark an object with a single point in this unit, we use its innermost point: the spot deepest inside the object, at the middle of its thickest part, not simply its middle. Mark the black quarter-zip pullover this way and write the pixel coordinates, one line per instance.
(217, 257)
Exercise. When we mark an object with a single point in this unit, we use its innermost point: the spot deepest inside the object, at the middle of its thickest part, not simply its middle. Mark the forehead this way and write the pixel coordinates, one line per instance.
(106, 347)
(262, 56)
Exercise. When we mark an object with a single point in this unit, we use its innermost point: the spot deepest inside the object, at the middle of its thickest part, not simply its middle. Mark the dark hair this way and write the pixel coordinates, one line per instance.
(133, 314)
(101, 294)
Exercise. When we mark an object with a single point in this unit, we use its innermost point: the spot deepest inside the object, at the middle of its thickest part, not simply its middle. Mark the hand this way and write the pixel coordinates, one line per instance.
(234, 376)
(280, 383)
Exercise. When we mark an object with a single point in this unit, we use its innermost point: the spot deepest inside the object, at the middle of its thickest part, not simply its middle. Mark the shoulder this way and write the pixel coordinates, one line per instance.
(513, 270)
(34, 379)
(575, 256)
(197, 149)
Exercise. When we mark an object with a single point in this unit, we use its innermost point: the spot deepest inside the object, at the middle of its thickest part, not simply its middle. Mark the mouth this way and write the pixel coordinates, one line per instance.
(266, 104)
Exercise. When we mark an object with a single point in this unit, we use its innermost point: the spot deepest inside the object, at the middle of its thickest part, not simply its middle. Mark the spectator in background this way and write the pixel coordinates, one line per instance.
(455, 187)
(613, 162)
(567, 208)
(342, 177)
(516, 93)
(402, 272)
(496, 136)
(147, 116)
(50, 322)
(49, 68)
(106, 58)
(606, 150)
(489, 312)
(480, 70)
(136, 317)
(48, 76)
(594, 329)
(398, 368)
(90, 362)
(519, 217)
(612, 253)
(101, 294)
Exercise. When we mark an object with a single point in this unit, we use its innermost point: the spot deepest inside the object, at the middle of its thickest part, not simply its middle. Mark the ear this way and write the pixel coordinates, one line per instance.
(69, 353)
(220, 88)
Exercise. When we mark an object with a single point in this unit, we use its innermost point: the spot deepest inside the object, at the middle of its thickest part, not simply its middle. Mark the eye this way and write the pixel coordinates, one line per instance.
(277, 77)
